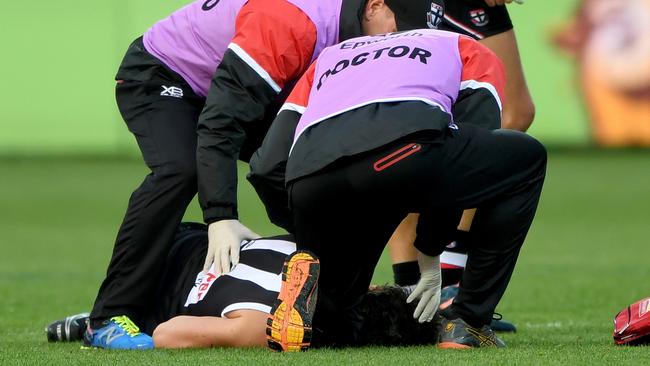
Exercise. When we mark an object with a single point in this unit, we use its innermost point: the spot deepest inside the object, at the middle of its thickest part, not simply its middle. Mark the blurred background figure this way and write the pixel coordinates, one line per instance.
(610, 40)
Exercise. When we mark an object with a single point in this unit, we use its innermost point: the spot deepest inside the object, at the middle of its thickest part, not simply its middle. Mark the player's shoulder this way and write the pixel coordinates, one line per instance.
(282, 243)
(283, 10)
(475, 18)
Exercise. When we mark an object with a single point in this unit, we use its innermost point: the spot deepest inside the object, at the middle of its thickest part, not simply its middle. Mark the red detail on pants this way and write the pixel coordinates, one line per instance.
(396, 156)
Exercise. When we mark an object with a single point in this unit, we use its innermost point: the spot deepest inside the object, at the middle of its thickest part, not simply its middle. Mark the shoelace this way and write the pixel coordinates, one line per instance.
(125, 323)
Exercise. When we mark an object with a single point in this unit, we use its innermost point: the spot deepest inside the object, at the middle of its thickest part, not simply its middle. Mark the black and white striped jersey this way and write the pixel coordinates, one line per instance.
(253, 284)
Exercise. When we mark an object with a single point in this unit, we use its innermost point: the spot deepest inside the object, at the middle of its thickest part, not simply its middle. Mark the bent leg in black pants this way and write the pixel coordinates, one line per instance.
(164, 125)
(346, 212)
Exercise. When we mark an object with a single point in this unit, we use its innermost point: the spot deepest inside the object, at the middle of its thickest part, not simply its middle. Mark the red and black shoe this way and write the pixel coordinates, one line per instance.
(289, 326)
(456, 334)
(498, 325)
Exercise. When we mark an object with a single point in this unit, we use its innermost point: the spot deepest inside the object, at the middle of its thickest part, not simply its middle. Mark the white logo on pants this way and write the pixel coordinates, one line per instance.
(172, 91)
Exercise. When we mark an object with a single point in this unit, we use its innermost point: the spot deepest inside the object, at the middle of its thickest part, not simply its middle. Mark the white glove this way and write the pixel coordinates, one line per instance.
(224, 241)
(427, 289)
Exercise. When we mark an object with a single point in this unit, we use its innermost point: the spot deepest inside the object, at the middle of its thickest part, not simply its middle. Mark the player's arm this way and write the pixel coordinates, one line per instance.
(210, 331)
(267, 174)
(481, 91)
(489, 22)
(273, 44)
(519, 110)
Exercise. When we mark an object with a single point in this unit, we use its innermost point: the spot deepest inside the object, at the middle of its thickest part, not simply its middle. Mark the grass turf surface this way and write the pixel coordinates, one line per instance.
(586, 257)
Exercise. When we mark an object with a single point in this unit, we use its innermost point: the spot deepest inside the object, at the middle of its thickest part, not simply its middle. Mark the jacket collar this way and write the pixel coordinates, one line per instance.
(350, 20)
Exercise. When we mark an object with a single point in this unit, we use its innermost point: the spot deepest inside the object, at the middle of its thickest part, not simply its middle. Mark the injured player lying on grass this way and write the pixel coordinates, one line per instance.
(195, 309)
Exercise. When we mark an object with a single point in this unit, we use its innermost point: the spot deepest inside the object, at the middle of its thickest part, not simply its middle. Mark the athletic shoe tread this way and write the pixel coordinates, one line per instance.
(289, 326)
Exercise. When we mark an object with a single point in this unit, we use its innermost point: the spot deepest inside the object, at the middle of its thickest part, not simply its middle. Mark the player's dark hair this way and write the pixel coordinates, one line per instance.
(388, 320)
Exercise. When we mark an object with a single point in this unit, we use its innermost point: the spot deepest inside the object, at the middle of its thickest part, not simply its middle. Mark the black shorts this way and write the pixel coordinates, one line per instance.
(475, 19)
(184, 260)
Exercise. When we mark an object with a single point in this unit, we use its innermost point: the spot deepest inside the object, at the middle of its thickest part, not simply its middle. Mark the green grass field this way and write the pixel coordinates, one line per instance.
(586, 257)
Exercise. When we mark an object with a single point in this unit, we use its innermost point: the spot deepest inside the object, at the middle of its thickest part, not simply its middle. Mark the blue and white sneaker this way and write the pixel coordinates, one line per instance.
(119, 332)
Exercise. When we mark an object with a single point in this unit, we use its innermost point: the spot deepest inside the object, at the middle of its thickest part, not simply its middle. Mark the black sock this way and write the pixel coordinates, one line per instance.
(97, 323)
(451, 276)
(406, 273)
(450, 314)
(462, 242)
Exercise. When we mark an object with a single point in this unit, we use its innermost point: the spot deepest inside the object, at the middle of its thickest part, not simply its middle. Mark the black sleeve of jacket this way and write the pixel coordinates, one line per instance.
(238, 98)
(436, 229)
(268, 164)
(477, 107)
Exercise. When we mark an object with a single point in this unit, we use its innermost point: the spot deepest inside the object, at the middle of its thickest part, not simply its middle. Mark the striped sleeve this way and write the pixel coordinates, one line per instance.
(278, 45)
(482, 86)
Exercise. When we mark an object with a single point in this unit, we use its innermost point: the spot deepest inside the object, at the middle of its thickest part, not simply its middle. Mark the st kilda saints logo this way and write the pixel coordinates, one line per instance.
(479, 17)
(434, 17)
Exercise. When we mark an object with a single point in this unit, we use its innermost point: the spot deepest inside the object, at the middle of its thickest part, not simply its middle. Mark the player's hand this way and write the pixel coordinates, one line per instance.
(502, 2)
(224, 240)
(427, 289)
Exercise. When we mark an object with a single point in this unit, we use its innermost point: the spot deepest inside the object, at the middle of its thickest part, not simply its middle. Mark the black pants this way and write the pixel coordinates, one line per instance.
(346, 213)
(183, 261)
(161, 111)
